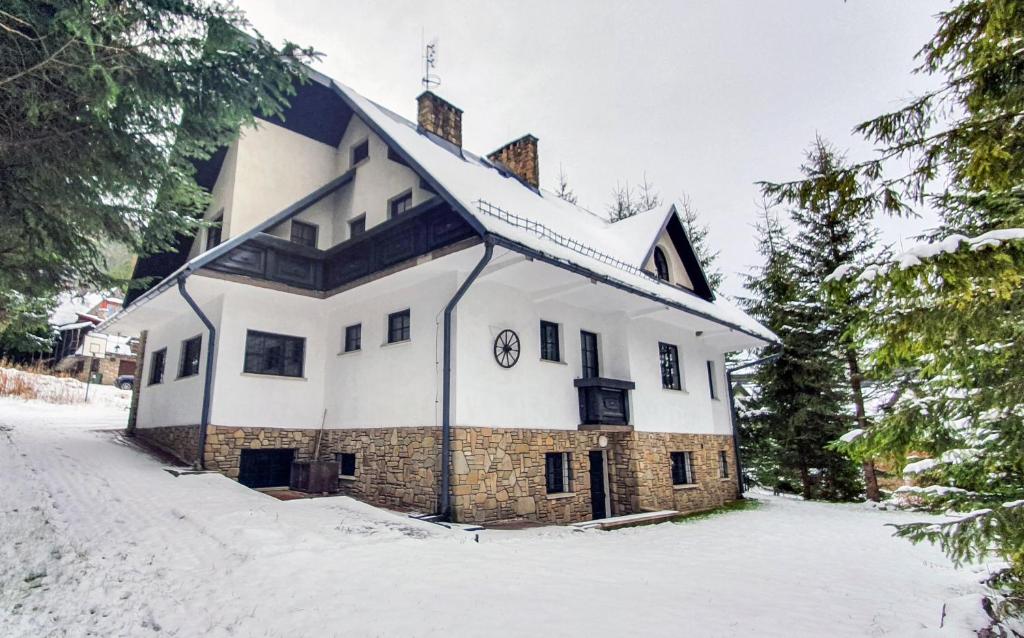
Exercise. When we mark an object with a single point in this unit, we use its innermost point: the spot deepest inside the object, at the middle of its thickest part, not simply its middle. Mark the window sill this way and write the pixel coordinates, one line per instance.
(686, 486)
(558, 363)
(187, 376)
(558, 495)
(346, 477)
(679, 390)
(273, 376)
(389, 344)
(345, 352)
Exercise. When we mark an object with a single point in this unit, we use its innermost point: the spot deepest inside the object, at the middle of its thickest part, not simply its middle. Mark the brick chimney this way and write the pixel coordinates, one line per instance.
(440, 117)
(520, 157)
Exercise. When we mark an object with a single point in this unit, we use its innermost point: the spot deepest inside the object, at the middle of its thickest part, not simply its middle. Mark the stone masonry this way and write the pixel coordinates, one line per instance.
(498, 474)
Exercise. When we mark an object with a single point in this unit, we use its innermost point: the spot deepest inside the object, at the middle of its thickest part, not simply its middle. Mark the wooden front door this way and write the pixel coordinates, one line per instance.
(598, 487)
(266, 468)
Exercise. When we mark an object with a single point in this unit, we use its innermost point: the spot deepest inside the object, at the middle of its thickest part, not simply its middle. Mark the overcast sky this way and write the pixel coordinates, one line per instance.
(704, 97)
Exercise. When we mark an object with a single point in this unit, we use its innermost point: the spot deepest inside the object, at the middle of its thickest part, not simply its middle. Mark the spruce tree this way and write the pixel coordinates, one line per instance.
(835, 228)
(796, 411)
(698, 236)
(947, 316)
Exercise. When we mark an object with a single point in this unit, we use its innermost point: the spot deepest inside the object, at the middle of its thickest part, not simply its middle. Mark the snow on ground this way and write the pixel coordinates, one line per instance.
(98, 540)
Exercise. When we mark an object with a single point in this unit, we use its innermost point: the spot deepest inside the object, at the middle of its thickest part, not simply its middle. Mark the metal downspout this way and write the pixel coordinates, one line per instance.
(445, 506)
(204, 419)
(732, 413)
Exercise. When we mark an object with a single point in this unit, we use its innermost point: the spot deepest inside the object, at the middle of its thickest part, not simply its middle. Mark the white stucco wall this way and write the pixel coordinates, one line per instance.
(378, 180)
(540, 394)
(384, 384)
(174, 401)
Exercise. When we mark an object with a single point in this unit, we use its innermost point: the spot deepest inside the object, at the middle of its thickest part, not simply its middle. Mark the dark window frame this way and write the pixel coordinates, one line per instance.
(403, 330)
(186, 366)
(558, 472)
(668, 358)
(346, 461)
(214, 234)
(359, 148)
(712, 380)
(156, 372)
(682, 468)
(550, 341)
(590, 359)
(661, 265)
(402, 199)
(301, 239)
(358, 222)
(261, 359)
(723, 464)
(353, 338)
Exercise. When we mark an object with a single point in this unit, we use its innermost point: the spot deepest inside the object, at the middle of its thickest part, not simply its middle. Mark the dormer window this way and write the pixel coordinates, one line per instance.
(661, 264)
(360, 152)
(304, 234)
(400, 204)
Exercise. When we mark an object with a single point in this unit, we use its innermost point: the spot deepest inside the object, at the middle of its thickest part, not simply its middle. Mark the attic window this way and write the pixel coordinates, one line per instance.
(661, 264)
(304, 234)
(400, 204)
(360, 152)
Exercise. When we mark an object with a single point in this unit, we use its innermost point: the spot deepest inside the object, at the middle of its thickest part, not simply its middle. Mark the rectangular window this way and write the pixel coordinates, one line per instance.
(712, 380)
(346, 463)
(156, 369)
(274, 354)
(549, 348)
(304, 234)
(682, 468)
(400, 204)
(213, 233)
(669, 355)
(354, 338)
(360, 152)
(588, 351)
(558, 472)
(723, 464)
(188, 365)
(357, 226)
(398, 326)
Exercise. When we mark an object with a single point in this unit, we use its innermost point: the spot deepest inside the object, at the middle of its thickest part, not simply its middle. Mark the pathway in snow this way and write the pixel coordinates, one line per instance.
(98, 540)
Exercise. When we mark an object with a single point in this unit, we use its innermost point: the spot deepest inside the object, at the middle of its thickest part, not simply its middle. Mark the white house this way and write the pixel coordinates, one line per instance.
(426, 308)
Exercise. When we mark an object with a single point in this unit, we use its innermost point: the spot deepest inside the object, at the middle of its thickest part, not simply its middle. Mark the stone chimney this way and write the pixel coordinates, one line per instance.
(440, 117)
(520, 157)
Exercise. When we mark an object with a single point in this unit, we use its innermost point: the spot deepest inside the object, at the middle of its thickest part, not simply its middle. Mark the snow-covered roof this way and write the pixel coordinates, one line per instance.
(503, 206)
(480, 187)
(75, 326)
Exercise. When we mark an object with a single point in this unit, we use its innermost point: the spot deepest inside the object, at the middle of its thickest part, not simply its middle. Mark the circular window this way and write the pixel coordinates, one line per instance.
(506, 348)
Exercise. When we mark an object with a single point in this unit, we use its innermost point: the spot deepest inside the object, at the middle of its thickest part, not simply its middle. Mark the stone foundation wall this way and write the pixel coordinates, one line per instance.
(497, 473)
(180, 441)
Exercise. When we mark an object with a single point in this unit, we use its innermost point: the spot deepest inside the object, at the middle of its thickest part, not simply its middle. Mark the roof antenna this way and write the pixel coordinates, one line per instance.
(430, 80)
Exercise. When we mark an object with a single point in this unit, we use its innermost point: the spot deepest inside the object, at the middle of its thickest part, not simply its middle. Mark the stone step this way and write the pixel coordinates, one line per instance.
(627, 520)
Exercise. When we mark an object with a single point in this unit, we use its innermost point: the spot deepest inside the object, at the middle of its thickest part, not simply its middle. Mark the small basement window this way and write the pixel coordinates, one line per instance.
(273, 354)
(360, 152)
(354, 338)
(723, 464)
(682, 468)
(549, 346)
(346, 463)
(558, 472)
(398, 326)
(400, 204)
(304, 234)
(156, 369)
(190, 350)
(669, 355)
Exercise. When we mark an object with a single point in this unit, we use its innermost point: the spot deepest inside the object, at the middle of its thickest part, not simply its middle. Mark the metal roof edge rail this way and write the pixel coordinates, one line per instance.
(586, 272)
